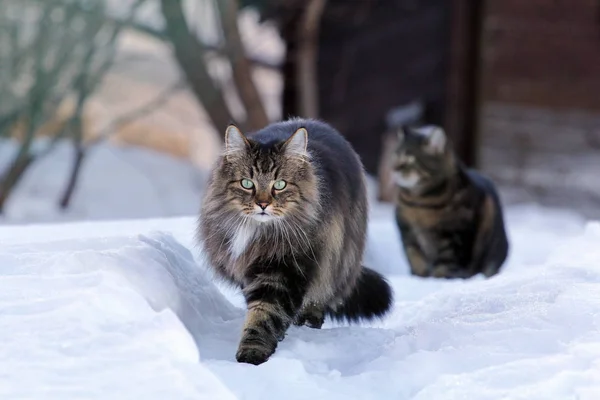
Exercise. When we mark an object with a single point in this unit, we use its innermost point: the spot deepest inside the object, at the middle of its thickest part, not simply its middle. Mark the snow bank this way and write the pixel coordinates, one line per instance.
(127, 309)
(106, 318)
(120, 310)
(115, 183)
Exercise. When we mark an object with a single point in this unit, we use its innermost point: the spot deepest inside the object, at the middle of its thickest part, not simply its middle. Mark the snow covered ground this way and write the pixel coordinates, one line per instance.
(123, 308)
(116, 182)
(127, 310)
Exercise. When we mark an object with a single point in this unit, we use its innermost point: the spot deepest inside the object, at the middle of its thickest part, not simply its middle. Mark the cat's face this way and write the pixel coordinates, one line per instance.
(267, 183)
(421, 157)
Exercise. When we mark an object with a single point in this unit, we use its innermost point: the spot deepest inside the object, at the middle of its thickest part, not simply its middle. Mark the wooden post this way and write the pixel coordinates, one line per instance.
(464, 78)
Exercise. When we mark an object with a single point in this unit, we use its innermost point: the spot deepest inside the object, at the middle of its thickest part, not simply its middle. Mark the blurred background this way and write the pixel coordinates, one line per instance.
(117, 108)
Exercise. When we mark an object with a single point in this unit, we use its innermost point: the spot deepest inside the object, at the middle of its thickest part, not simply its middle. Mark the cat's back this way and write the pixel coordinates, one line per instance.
(336, 161)
(483, 183)
(324, 141)
(488, 188)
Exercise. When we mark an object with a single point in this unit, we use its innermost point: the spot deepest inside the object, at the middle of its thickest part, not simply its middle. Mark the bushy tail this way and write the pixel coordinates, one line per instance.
(371, 298)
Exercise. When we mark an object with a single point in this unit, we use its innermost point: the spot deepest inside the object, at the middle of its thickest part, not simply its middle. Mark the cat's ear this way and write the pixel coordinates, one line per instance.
(401, 134)
(235, 141)
(436, 139)
(297, 142)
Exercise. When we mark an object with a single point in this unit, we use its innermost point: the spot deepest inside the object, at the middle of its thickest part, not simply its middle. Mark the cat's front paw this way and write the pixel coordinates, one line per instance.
(450, 272)
(440, 271)
(255, 355)
(255, 348)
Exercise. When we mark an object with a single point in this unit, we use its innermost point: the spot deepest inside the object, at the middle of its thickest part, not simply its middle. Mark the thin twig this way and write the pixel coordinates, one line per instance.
(240, 67)
(127, 118)
(163, 36)
(189, 52)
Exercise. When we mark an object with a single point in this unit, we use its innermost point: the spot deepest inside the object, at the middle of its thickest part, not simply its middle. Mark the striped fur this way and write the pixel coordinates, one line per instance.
(450, 217)
(298, 259)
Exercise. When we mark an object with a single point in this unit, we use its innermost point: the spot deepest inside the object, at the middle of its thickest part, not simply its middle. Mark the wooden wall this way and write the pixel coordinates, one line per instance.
(381, 55)
(544, 53)
(540, 101)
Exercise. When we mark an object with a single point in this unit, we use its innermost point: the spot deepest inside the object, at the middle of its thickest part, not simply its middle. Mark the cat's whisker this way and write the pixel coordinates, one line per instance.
(229, 230)
(296, 229)
(292, 248)
(306, 240)
(215, 233)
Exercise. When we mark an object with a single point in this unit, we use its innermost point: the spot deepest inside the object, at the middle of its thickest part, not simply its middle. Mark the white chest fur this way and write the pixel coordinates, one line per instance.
(242, 238)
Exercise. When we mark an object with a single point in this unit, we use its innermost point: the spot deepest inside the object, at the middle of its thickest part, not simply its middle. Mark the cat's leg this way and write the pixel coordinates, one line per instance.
(483, 237)
(450, 271)
(491, 245)
(440, 271)
(418, 265)
(274, 295)
(416, 259)
(312, 315)
(446, 264)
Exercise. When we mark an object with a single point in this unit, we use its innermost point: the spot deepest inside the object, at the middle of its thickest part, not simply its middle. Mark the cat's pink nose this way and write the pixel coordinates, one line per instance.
(263, 205)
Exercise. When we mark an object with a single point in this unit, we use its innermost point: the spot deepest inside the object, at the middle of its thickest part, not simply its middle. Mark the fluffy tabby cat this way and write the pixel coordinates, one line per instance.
(284, 217)
(450, 217)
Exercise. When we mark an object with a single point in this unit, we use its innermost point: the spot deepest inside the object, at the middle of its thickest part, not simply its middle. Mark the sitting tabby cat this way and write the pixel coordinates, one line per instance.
(450, 217)
(284, 217)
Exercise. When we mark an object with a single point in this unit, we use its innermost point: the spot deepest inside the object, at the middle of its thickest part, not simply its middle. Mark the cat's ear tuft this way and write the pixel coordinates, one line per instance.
(297, 142)
(436, 139)
(235, 141)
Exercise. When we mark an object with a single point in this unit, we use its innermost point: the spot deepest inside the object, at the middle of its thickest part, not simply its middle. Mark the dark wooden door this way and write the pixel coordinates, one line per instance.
(377, 55)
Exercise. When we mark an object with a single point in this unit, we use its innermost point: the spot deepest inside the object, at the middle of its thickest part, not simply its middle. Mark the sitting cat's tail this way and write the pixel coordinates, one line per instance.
(371, 298)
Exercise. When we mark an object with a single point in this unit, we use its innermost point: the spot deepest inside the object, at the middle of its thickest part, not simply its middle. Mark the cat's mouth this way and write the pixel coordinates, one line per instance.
(407, 180)
(262, 216)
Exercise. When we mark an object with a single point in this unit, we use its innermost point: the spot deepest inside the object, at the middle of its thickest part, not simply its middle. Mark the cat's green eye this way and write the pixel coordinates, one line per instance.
(279, 185)
(247, 184)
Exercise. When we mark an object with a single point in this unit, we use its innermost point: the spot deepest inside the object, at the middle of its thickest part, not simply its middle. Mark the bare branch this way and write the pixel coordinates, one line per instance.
(85, 86)
(12, 177)
(240, 67)
(55, 59)
(189, 52)
(33, 115)
(154, 104)
(65, 198)
(307, 83)
(80, 151)
(162, 35)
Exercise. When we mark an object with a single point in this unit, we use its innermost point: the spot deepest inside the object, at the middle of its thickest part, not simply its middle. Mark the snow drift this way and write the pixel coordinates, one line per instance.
(127, 310)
